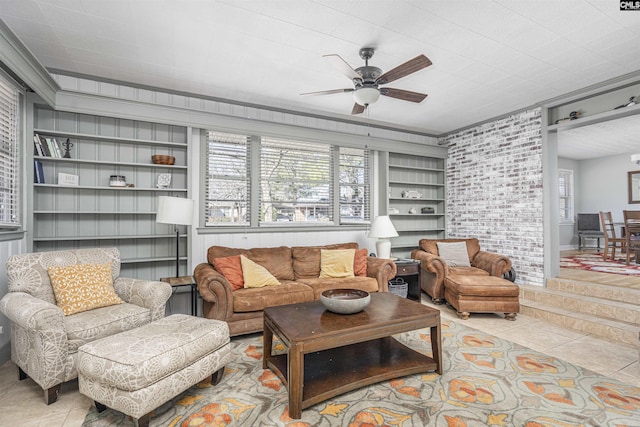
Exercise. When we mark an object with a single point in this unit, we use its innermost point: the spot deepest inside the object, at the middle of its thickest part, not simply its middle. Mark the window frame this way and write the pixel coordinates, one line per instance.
(254, 225)
(15, 152)
(569, 198)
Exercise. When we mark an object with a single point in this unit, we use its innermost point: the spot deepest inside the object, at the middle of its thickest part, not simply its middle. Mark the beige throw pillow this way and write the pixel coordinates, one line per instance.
(255, 275)
(337, 262)
(454, 253)
(83, 287)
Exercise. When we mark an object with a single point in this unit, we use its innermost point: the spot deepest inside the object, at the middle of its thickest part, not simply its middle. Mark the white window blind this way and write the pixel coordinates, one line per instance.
(228, 179)
(354, 185)
(295, 182)
(9, 155)
(565, 183)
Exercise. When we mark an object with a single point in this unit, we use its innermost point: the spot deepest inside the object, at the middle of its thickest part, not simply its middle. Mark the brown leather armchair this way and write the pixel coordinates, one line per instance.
(434, 269)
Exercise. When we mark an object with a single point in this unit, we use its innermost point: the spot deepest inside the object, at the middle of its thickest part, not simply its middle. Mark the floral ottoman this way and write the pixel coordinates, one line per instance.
(138, 370)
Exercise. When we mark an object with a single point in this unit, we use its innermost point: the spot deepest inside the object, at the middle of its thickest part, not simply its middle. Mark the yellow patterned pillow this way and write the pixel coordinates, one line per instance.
(83, 287)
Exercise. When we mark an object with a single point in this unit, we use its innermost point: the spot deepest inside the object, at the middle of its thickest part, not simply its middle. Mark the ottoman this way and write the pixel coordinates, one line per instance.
(482, 294)
(138, 370)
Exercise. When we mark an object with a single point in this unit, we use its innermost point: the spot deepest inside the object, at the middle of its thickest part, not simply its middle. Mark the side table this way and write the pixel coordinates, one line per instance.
(177, 282)
(409, 270)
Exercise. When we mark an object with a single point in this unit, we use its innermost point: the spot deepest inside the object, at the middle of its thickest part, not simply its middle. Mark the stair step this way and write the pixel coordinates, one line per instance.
(607, 328)
(608, 292)
(583, 302)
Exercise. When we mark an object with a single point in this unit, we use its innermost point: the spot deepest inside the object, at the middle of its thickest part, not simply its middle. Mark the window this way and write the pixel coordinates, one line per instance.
(9, 154)
(228, 181)
(354, 185)
(294, 182)
(565, 181)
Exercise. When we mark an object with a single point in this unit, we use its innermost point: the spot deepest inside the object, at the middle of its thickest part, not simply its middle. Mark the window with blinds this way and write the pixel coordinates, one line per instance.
(228, 180)
(295, 182)
(354, 185)
(565, 188)
(9, 155)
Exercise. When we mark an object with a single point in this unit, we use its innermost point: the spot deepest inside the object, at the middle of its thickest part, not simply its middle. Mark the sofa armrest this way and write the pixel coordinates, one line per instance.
(31, 313)
(216, 292)
(494, 264)
(149, 294)
(381, 269)
(43, 349)
(431, 263)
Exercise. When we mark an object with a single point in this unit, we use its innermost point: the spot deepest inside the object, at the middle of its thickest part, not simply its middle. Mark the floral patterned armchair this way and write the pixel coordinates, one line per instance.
(45, 342)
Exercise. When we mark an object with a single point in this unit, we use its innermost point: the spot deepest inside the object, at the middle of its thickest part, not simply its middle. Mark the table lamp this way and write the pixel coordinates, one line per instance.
(176, 211)
(382, 229)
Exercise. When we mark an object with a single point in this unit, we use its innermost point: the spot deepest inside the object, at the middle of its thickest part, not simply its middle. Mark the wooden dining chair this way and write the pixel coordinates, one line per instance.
(610, 240)
(632, 233)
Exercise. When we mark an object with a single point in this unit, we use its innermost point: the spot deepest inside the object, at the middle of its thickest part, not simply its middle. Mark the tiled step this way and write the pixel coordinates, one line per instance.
(587, 312)
(599, 306)
(608, 292)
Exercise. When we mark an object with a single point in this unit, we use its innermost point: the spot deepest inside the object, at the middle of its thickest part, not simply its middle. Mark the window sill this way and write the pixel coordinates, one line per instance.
(281, 229)
(9, 235)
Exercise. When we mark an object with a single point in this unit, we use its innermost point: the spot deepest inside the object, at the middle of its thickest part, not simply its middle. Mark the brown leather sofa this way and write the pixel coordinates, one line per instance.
(434, 270)
(298, 270)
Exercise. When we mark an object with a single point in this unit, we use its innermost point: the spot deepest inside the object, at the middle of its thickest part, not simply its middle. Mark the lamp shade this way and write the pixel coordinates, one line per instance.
(366, 95)
(382, 228)
(635, 158)
(174, 210)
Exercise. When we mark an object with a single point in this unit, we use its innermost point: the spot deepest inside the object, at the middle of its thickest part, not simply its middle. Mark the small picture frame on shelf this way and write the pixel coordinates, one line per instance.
(164, 180)
(67, 179)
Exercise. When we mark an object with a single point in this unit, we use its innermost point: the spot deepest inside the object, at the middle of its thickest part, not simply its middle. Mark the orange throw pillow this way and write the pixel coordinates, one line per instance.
(231, 269)
(360, 263)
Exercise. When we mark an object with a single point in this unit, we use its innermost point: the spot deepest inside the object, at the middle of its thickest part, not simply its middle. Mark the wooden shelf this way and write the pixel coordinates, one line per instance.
(416, 168)
(419, 184)
(89, 187)
(120, 140)
(109, 163)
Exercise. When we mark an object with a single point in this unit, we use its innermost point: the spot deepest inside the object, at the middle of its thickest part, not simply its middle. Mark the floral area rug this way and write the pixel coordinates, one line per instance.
(594, 262)
(487, 381)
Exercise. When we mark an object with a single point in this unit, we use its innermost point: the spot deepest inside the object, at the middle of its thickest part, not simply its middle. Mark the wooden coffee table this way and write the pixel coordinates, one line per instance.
(330, 354)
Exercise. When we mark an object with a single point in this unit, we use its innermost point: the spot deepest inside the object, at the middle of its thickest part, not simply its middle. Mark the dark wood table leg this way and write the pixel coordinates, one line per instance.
(295, 377)
(267, 344)
(436, 346)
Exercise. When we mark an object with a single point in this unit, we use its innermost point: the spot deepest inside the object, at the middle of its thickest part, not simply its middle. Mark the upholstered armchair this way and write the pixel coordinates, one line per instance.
(434, 268)
(45, 341)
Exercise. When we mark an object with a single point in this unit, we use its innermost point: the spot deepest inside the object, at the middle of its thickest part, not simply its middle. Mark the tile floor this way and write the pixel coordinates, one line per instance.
(21, 402)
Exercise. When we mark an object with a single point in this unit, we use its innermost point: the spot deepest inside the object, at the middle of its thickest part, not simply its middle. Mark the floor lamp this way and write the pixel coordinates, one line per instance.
(382, 229)
(176, 211)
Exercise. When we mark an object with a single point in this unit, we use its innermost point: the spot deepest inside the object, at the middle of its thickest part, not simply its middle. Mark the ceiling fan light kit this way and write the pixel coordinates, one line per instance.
(367, 80)
(366, 95)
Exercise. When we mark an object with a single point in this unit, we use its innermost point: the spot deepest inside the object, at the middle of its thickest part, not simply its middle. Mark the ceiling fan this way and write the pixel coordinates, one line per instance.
(367, 80)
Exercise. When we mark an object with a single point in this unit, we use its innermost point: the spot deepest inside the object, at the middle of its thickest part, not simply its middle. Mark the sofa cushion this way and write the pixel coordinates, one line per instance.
(277, 260)
(489, 286)
(256, 299)
(336, 262)
(255, 275)
(454, 253)
(102, 322)
(306, 259)
(319, 285)
(431, 245)
(83, 287)
(231, 269)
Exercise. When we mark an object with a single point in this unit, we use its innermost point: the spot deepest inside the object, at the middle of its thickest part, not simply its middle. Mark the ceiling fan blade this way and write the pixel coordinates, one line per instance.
(328, 92)
(357, 109)
(405, 95)
(342, 65)
(411, 66)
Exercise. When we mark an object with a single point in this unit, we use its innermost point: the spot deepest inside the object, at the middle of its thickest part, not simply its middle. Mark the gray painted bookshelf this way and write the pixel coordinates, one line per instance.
(95, 214)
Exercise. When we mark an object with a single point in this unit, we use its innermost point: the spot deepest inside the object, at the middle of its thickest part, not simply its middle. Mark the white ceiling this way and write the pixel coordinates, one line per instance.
(489, 57)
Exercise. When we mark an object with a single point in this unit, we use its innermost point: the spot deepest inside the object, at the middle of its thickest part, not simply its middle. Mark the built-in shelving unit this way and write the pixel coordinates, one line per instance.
(414, 183)
(95, 214)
